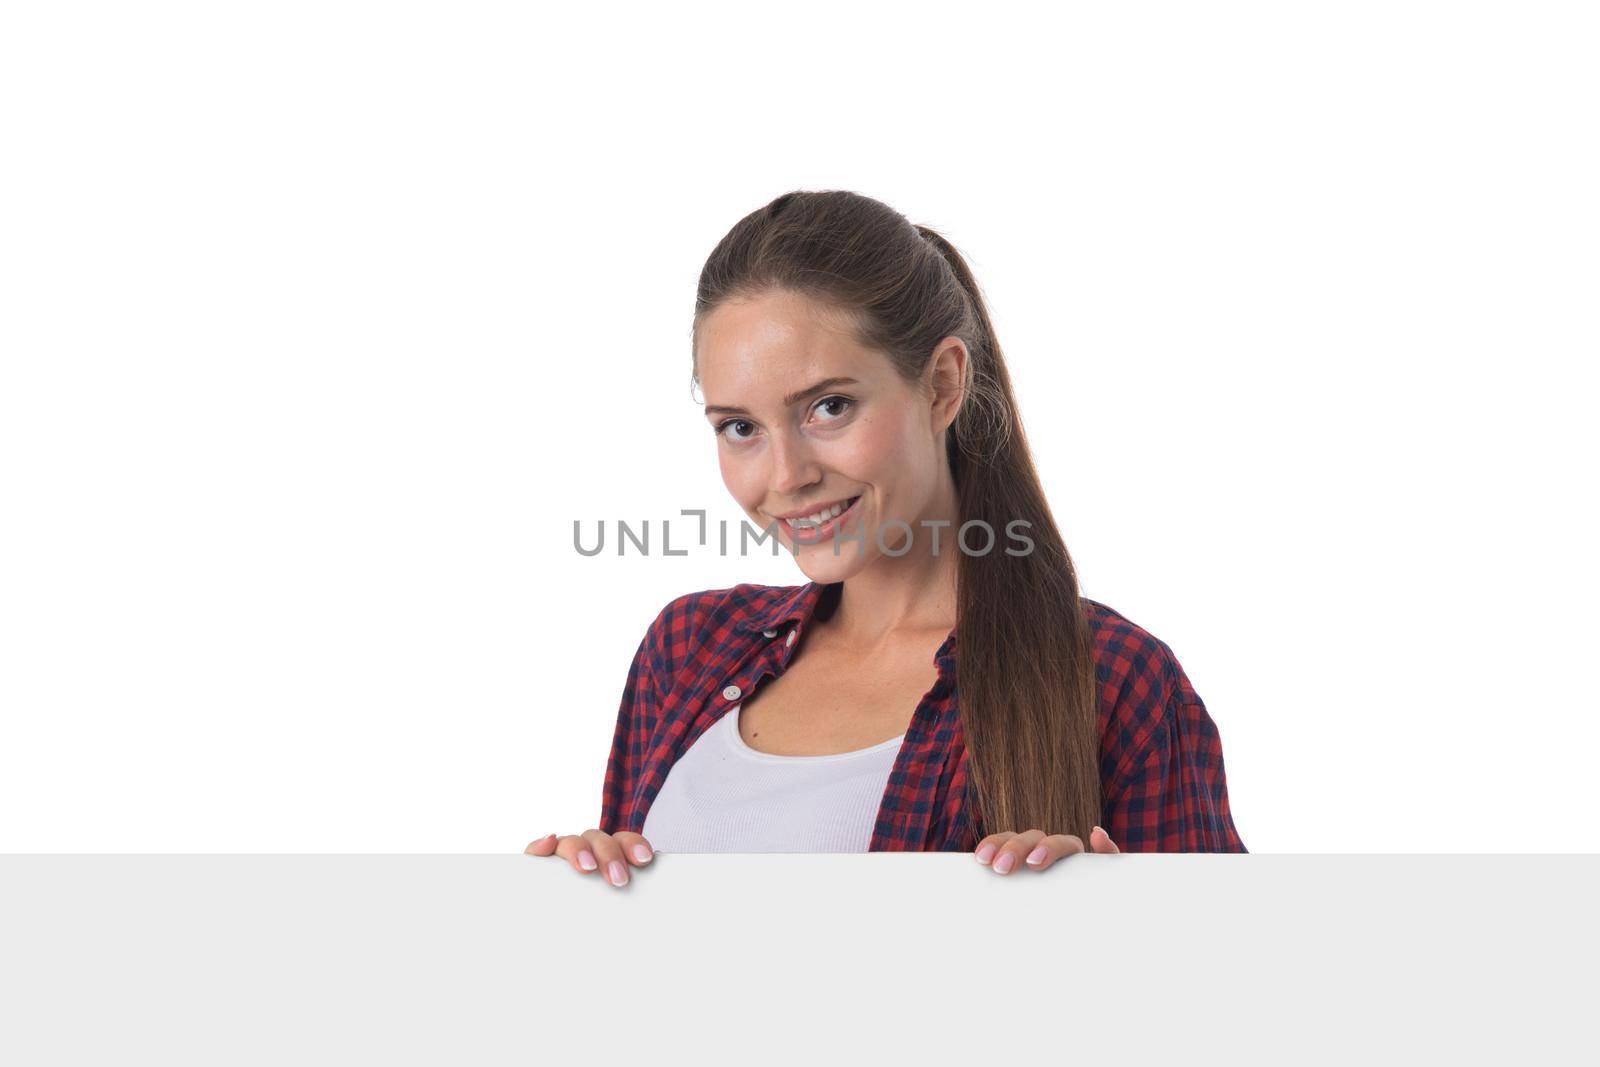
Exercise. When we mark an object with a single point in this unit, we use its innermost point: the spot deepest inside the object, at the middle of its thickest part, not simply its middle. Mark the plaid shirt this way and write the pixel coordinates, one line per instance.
(1160, 753)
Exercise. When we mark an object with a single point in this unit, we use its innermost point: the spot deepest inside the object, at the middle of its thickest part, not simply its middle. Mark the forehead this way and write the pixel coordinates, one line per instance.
(774, 343)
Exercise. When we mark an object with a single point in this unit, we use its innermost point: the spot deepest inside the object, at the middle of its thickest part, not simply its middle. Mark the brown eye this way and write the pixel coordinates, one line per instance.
(845, 402)
(723, 426)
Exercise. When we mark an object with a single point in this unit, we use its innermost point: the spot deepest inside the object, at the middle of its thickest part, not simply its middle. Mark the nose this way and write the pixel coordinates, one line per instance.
(793, 467)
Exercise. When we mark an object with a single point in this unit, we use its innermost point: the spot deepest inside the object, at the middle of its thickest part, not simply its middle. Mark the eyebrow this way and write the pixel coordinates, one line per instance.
(791, 399)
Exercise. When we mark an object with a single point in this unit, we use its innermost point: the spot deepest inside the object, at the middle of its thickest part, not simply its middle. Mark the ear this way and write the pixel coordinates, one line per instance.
(947, 381)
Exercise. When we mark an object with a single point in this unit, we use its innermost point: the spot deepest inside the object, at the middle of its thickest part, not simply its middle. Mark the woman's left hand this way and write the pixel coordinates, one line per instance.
(1004, 852)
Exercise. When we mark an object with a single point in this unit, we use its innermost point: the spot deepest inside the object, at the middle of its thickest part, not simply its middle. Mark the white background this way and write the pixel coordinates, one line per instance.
(321, 324)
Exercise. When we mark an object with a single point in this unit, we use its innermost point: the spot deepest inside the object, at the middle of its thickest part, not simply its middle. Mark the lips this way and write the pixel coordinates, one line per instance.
(804, 534)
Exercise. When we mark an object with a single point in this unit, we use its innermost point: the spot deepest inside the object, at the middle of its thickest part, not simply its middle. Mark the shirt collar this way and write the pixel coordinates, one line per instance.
(794, 606)
(798, 605)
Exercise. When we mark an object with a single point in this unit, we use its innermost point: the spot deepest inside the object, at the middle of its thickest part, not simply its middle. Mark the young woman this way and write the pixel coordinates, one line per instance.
(864, 415)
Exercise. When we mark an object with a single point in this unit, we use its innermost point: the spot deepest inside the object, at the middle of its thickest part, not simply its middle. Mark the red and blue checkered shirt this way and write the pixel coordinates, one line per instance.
(1160, 754)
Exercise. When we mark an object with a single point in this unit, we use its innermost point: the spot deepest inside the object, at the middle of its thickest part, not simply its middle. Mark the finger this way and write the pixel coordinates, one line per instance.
(1101, 841)
(990, 845)
(545, 846)
(1052, 848)
(576, 850)
(1009, 858)
(635, 847)
(613, 864)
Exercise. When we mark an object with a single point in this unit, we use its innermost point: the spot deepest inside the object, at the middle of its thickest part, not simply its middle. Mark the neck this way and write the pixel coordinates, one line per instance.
(905, 594)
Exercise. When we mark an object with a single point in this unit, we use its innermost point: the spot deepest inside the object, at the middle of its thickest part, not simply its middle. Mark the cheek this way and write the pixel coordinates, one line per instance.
(743, 480)
(877, 451)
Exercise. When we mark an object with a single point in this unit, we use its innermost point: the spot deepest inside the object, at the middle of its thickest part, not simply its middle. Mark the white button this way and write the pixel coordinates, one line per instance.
(790, 639)
(732, 692)
(769, 633)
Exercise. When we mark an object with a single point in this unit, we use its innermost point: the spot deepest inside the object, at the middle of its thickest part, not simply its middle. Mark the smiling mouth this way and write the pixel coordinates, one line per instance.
(815, 524)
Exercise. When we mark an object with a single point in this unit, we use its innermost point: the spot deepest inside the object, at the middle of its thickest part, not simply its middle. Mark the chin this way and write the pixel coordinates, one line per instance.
(819, 564)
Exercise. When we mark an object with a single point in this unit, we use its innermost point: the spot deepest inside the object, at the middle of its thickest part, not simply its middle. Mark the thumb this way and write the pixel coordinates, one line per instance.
(545, 846)
(1100, 841)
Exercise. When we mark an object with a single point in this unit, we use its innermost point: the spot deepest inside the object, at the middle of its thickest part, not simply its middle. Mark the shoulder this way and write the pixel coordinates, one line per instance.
(1141, 683)
(1124, 649)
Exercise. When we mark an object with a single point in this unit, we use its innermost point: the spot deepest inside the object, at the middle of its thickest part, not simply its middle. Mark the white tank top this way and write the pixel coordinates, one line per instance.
(724, 796)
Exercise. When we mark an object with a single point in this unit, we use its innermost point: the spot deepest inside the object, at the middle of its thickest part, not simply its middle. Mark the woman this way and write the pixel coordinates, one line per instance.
(864, 415)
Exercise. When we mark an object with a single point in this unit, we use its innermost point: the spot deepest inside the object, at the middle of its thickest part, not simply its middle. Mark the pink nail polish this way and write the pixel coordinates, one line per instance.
(1038, 854)
(619, 874)
(586, 860)
(641, 853)
(985, 854)
(1004, 863)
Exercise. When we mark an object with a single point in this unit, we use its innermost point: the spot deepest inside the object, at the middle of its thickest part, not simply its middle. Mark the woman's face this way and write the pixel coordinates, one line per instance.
(808, 420)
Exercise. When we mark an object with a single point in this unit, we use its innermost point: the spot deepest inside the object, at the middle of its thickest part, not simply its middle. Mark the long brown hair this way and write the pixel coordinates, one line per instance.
(1025, 680)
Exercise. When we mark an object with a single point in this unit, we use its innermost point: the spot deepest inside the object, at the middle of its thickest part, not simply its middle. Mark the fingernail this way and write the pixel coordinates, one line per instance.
(586, 860)
(1004, 863)
(1038, 854)
(619, 873)
(986, 853)
(1102, 829)
(641, 853)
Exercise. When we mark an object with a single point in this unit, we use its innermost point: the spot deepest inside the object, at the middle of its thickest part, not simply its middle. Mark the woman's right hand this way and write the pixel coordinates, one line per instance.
(595, 850)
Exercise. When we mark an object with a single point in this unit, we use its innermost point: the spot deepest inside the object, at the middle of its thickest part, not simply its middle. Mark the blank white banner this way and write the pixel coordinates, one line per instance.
(795, 959)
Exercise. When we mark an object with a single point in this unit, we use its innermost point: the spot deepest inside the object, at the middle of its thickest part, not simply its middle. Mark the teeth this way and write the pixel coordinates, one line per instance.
(819, 518)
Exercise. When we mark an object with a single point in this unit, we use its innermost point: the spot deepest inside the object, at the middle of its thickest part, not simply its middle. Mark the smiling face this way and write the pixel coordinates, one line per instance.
(807, 418)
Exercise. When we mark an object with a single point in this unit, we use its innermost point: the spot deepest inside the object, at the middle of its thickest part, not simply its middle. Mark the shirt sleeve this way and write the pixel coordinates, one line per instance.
(1170, 793)
(637, 716)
